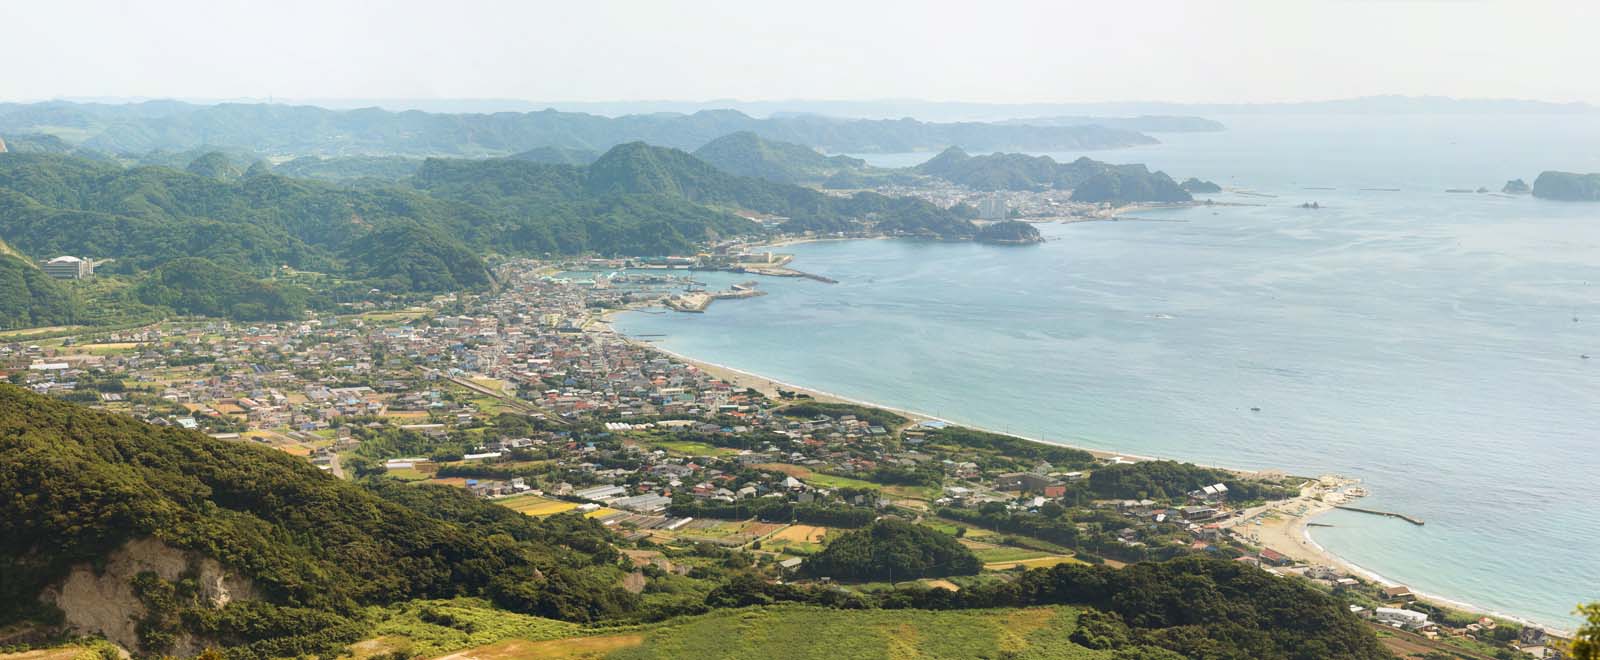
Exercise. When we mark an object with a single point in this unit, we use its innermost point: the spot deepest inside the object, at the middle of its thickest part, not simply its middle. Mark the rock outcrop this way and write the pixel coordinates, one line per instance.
(103, 601)
(1567, 186)
(1194, 185)
(1010, 232)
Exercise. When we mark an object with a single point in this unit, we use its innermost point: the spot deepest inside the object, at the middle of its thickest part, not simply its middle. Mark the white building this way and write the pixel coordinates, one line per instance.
(1395, 616)
(68, 267)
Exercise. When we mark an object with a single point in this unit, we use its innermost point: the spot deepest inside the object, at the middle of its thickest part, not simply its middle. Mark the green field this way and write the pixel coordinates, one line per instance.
(691, 448)
(427, 628)
(407, 474)
(835, 481)
(1003, 554)
(778, 633)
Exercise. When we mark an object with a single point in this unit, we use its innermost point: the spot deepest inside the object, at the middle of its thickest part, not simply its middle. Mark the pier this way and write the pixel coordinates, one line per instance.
(782, 272)
(698, 301)
(1375, 512)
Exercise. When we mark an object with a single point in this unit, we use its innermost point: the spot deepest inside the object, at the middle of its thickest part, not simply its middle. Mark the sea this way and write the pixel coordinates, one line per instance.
(1430, 344)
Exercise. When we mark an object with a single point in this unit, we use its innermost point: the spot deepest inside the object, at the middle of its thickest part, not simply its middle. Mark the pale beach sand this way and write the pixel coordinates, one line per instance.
(1283, 525)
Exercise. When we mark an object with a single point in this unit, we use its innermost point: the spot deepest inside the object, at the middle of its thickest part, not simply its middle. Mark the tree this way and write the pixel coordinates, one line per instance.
(1586, 644)
(893, 550)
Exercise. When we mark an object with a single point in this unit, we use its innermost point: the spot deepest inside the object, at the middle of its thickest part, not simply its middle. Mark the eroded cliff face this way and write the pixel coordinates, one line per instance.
(105, 602)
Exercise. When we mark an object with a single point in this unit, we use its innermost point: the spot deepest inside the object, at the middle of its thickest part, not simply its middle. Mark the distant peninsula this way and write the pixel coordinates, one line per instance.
(1090, 180)
(1142, 123)
(1567, 186)
(747, 154)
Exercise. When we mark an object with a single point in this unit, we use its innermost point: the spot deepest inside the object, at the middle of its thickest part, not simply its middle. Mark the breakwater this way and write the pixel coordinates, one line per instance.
(1415, 521)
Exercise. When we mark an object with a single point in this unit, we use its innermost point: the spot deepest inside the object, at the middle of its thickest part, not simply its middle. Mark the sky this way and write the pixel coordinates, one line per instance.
(1212, 51)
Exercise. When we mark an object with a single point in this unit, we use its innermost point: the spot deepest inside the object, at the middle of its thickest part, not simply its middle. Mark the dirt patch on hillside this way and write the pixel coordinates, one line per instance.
(103, 602)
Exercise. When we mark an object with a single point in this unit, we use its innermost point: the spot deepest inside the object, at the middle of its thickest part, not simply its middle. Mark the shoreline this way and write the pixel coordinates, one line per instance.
(1291, 533)
(769, 387)
(1353, 568)
(1306, 550)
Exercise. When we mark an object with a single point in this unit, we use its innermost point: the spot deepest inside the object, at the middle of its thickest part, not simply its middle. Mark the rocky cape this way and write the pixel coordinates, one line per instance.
(1567, 186)
(1009, 232)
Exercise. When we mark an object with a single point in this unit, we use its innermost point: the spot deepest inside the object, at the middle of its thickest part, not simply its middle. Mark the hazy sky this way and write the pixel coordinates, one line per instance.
(976, 50)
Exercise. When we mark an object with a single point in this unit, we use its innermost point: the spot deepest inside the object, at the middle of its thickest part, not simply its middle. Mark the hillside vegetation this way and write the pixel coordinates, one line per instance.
(29, 298)
(311, 564)
(893, 550)
(76, 484)
(747, 154)
(1130, 183)
(1090, 180)
(800, 633)
(1010, 232)
(192, 285)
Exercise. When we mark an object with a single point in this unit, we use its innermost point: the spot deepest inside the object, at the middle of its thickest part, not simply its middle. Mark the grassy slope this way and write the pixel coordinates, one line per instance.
(777, 633)
(771, 633)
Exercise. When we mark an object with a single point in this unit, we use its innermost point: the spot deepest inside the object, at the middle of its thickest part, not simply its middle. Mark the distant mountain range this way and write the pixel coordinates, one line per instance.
(944, 111)
(308, 130)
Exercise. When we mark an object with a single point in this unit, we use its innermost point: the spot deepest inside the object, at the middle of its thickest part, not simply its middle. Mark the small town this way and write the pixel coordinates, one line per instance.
(525, 396)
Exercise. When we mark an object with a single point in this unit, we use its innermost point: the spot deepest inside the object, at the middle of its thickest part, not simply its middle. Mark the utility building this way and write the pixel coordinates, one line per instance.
(68, 268)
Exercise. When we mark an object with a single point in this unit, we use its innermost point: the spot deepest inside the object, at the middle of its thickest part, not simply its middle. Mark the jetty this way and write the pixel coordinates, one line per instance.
(1375, 512)
(697, 301)
(780, 271)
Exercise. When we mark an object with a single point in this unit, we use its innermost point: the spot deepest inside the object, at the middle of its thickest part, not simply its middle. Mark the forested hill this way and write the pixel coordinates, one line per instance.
(29, 298)
(307, 130)
(301, 551)
(142, 218)
(1101, 182)
(748, 154)
(421, 234)
(635, 178)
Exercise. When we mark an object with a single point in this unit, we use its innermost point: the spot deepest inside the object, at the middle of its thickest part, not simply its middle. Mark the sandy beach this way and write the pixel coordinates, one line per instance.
(1284, 527)
(769, 387)
(1281, 526)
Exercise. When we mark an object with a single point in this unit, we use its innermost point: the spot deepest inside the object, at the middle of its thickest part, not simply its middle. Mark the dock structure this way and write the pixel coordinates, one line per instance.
(698, 301)
(784, 272)
(1391, 514)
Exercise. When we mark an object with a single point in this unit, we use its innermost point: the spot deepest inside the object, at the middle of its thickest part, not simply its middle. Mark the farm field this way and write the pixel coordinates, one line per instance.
(796, 540)
(534, 505)
(778, 632)
(691, 448)
(802, 534)
(816, 479)
(1037, 562)
(782, 632)
(992, 554)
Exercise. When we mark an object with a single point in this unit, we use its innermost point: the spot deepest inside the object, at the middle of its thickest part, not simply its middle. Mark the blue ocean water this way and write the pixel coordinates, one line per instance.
(1428, 343)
